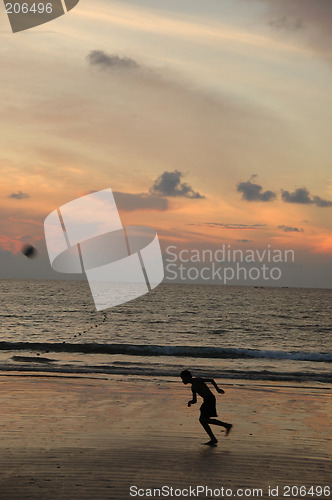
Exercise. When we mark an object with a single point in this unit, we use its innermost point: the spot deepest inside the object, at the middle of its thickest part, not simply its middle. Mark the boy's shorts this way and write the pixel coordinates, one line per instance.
(208, 408)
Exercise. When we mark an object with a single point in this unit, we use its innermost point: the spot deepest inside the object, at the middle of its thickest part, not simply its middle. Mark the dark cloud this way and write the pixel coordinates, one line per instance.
(281, 23)
(102, 60)
(129, 202)
(19, 195)
(254, 192)
(169, 184)
(229, 226)
(290, 229)
(244, 241)
(320, 202)
(312, 19)
(302, 196)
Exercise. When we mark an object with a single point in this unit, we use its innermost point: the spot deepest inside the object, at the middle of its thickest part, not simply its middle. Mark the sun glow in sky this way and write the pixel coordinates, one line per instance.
(210, 120)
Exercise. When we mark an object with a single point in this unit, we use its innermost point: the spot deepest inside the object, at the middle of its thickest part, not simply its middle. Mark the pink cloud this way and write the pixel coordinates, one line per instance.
(11, 244)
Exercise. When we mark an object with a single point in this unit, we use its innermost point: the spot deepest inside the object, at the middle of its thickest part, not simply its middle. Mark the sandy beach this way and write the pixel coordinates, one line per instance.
(87, 438)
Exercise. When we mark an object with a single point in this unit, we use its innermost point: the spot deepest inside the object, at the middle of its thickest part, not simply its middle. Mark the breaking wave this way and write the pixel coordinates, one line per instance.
(160, 350)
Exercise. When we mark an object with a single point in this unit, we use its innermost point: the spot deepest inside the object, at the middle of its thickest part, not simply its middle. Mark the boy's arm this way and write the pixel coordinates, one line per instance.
(194, 399)
(220, 391)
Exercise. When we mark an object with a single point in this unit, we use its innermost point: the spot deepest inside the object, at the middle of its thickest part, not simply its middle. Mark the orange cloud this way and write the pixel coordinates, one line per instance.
(12, 245)
(324, 246)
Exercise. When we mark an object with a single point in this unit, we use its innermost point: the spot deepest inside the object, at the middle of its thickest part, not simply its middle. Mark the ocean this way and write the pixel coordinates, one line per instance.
(226, 332)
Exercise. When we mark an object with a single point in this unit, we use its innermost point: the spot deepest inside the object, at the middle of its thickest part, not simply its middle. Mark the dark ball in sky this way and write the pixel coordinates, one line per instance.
(29, 251)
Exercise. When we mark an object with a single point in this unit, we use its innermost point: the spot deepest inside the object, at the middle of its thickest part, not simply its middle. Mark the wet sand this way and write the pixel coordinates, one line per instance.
(84, 438)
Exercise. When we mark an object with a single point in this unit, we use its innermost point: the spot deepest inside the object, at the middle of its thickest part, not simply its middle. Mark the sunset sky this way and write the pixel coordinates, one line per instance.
(209, 119)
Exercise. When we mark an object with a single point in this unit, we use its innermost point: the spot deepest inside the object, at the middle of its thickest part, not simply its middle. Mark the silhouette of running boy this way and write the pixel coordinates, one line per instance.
(208, 408)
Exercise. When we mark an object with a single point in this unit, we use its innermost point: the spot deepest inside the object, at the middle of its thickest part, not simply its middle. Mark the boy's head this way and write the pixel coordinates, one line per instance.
(186, 376)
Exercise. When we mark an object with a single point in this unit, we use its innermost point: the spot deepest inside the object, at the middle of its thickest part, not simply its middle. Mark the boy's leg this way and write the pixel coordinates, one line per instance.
(214, 421)
(204, 422)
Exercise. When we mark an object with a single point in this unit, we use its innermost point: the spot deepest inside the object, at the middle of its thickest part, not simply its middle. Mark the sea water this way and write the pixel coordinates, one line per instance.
(233, 332)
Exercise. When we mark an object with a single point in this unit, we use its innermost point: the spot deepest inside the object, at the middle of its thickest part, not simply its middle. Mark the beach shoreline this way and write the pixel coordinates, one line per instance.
(93, 438)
